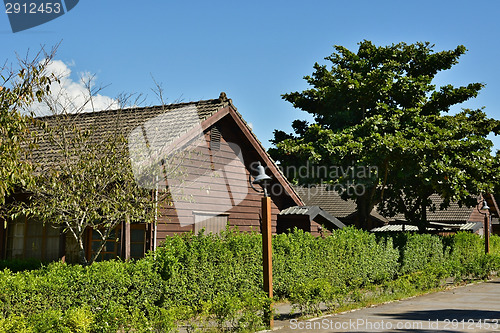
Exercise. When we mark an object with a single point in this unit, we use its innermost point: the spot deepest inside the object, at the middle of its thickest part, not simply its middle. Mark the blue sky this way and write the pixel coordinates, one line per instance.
(255, 50)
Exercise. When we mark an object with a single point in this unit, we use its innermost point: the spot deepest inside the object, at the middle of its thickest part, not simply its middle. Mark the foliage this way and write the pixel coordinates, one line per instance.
(83, 175)
(378, 108)
(214, 278)
(206, 282)
(88, 184)
(17, 265)
(113, 292)
(18, 89)
(418, 252)
(348, 259)
(466, 256)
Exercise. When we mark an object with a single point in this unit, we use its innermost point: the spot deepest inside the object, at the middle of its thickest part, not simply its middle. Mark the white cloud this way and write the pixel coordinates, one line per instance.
(72, 95)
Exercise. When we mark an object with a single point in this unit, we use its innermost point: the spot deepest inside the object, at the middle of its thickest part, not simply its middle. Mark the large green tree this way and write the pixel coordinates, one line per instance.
(378, 108)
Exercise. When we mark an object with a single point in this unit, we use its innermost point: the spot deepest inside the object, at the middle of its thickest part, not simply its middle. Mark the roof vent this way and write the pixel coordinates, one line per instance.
(215, 138)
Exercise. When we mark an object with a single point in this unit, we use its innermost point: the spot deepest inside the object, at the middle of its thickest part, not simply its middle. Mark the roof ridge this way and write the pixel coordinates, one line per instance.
(136, 108)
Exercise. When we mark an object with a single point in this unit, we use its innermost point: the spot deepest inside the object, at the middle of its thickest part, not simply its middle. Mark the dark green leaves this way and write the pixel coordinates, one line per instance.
(379, 107)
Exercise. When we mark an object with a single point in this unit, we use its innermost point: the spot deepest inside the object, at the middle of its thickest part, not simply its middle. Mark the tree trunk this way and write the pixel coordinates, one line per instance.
(82, 258)
(422, 225)
(364, 205)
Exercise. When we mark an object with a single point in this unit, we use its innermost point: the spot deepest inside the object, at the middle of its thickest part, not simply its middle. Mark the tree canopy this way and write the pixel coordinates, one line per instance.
(85, 181)
(379, 108)
(82, 171)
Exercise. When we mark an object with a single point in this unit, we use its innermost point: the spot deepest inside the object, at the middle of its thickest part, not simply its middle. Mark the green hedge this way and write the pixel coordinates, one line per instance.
(203, 280)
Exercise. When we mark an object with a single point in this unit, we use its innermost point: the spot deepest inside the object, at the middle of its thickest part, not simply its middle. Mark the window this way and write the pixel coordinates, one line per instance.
(32, 239)
(210, 222)
(15, 239)
(137, 240)
(113, 247)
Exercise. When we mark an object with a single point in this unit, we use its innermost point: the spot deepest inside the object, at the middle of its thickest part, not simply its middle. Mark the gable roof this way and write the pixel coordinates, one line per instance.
(331, 202)
(453, 214)
(125, 120)
(314, 213)
(441, 227)
(184, 121)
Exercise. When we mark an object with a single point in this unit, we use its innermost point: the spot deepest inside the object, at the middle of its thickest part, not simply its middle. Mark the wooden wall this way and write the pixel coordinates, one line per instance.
(476, 216)
(218, 181)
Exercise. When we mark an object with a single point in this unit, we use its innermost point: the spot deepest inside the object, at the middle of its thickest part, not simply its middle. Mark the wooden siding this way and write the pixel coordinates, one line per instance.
(217, 178)
(476, 216)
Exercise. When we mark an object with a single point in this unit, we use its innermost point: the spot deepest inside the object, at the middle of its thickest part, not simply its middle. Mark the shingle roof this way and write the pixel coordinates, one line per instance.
(296, 210)
(180, 120)
(331, 202)
(454, 213)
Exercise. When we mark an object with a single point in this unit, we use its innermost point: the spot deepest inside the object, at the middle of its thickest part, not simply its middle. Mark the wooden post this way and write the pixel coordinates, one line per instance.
(486, 233)
(267, 253)
(126, 238)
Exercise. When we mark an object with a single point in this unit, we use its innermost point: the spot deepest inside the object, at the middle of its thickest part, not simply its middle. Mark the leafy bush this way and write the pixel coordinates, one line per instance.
(17, 265)
(310, 270)
(214, 278)
(206, 281)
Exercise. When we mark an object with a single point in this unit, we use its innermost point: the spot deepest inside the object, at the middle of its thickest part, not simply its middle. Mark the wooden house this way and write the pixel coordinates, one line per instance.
(216, 190)
(450, 220)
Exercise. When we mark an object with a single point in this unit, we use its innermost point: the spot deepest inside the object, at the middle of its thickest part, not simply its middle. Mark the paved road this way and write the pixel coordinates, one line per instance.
(471, 308)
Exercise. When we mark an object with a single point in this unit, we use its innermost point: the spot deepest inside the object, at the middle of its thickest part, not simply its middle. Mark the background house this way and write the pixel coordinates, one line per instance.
(331, 202)
(312, 219)
(450, 220)
(454, 218)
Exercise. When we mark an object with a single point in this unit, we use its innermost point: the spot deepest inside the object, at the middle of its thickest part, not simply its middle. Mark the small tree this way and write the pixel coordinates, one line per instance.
(19, 88)
(85, 176)
(379, 108)
(90, 185)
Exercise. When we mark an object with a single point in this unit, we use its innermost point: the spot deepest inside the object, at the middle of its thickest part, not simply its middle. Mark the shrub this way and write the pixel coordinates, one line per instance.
(17, 265)
(214, 281)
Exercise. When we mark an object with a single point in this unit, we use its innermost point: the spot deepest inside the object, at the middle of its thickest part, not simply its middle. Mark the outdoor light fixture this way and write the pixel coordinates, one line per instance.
(267, 249)
(486, 227)
(485, 206)
(262, 179)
